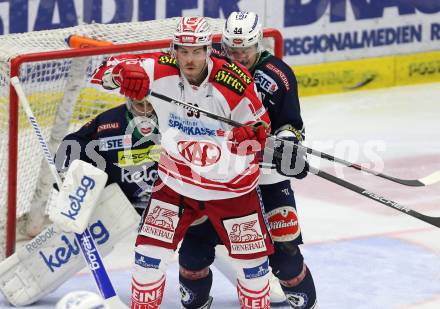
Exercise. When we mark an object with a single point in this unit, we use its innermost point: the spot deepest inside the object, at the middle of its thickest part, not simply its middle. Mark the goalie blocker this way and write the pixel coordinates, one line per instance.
(81, 188)
(53, 256)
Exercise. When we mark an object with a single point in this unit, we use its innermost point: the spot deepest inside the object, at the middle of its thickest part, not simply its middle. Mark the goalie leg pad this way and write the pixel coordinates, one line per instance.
(148, 280)
(53, 257)
(253, 283)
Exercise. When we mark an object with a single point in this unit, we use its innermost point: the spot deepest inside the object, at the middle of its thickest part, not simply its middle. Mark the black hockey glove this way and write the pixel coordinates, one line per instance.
(289, 160)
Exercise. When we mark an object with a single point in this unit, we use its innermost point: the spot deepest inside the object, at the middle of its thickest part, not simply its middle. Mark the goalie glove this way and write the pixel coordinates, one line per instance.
(132, 79)
(53, 257)
(76, 200)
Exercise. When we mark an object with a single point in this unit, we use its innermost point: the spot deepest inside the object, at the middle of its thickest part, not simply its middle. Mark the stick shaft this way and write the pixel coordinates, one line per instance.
(348, 185)
(425, 181)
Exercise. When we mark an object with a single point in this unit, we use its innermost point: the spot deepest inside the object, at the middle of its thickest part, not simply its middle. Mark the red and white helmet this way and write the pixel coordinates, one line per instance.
(242, 29)
(192, 31)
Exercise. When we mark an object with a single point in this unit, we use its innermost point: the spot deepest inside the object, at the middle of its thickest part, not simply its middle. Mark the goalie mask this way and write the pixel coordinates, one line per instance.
(242, 38)
(141, 108)
(144, 117)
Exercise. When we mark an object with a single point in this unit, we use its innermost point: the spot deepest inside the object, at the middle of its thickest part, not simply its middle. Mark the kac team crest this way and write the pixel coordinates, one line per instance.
(200, 153)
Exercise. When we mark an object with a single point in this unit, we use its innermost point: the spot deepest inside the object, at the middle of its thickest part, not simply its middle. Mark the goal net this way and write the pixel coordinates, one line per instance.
(55, 79)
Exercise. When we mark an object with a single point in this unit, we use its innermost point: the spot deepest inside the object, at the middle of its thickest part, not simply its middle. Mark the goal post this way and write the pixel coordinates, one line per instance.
(55, 79)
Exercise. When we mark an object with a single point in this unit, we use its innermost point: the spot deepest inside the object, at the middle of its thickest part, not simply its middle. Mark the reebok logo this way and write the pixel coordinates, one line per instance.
(40, 239)
(78, 197)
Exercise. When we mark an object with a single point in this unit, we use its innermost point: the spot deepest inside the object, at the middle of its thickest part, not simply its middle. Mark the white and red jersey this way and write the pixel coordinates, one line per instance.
(196, 160)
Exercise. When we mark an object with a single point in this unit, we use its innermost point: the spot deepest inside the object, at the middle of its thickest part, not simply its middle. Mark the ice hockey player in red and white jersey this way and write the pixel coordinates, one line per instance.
(207, 170)
(276, 82)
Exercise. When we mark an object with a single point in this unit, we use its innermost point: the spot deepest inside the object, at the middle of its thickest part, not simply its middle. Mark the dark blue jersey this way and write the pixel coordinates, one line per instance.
(277, 84)
(112, 142)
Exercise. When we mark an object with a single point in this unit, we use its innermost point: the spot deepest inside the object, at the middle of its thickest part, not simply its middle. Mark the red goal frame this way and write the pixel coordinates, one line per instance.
(73, 53)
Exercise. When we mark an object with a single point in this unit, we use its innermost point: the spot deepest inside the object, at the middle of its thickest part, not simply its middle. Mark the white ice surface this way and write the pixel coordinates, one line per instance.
(362, 254)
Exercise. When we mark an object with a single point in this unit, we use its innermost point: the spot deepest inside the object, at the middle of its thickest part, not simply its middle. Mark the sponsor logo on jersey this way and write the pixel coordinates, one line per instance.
(189, 127)
(220, 132)
(228, 80)
(76, 199)
(245, 235)
(283, 222)
(130, 157)
(280, 74)
(115, 142)
(108, 126)
(200, 153)
(59, 256)
(237, 70)
(260, 112)
(257, 113)
(161, 221)
(257, 271)
(147, 174)
(146, 261)
(167, 60)
(265, 82)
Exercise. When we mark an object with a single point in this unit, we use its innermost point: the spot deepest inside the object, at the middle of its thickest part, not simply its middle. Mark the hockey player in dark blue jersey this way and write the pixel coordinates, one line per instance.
(124, 142)
(277, 85)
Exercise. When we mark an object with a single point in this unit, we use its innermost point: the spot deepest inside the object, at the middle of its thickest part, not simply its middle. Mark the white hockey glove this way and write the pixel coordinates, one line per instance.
(76, 201)
(52, 257)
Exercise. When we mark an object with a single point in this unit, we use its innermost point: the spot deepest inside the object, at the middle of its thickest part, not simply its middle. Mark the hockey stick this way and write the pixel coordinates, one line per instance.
(352, 187)
(85, 240)
(376, 197)
(421, 182)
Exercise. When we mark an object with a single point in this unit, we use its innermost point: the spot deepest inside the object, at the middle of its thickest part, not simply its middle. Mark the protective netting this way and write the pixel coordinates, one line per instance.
(61, 98)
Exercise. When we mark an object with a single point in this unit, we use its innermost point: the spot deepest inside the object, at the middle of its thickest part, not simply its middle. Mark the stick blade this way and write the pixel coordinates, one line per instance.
(431, 179)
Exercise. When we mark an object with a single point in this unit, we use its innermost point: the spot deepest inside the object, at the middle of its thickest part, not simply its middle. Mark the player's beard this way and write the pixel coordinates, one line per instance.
(199, 78)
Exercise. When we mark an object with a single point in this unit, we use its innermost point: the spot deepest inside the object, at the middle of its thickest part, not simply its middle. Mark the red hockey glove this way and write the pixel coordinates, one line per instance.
(251, 132)
(132, 79)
